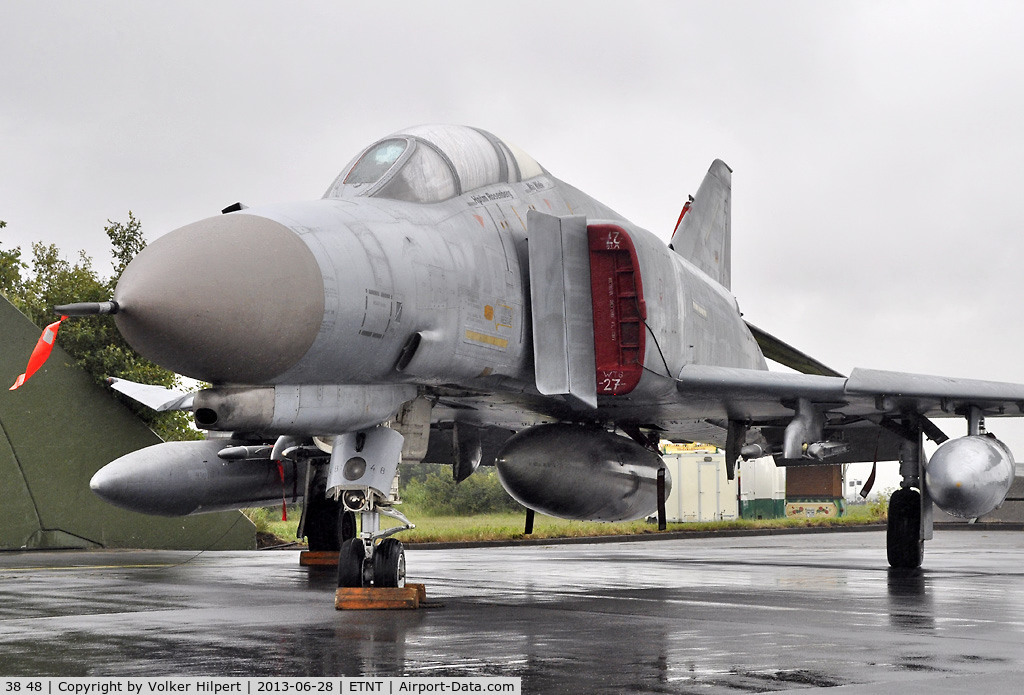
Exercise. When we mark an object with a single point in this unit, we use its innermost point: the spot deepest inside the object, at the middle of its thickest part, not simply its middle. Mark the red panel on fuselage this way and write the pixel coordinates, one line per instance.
(619, 309)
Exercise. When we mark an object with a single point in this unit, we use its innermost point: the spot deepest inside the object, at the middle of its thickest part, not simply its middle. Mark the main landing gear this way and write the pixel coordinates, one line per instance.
(363, 466)
(904, 545)
(910, 509)
(326, 523)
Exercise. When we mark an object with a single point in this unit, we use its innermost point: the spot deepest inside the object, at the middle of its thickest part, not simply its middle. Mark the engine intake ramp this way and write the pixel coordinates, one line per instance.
(562, 308)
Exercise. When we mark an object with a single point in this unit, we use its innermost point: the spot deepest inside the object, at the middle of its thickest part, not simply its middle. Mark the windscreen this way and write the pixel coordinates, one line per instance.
(376, 162)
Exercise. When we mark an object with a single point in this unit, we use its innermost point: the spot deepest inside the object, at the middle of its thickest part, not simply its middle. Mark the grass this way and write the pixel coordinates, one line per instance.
(509, 526)
(270, 528)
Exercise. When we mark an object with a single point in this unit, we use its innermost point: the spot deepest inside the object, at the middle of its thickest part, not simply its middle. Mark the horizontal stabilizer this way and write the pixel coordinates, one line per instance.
(787, 355)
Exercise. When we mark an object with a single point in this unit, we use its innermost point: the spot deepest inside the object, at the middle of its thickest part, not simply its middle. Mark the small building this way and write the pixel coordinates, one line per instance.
(815, 491)
(762, 489)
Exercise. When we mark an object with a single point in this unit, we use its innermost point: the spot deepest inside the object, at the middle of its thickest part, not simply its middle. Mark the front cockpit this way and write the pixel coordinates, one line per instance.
(432, 163)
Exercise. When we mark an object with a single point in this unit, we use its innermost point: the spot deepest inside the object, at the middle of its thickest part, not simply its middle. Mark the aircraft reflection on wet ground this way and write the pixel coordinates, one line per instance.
(745, 614)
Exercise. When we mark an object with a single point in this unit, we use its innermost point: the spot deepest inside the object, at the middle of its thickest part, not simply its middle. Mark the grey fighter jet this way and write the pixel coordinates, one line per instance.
(449, 300)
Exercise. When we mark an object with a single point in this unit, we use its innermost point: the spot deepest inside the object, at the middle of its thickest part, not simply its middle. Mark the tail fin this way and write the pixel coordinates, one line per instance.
(703, 234)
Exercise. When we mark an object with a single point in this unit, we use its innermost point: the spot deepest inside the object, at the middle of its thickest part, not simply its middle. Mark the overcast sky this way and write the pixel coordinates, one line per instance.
(877, 147)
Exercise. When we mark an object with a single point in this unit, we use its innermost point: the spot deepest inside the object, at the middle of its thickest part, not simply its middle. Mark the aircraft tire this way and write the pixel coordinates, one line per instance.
(329, 525)
(389, 564)
(904, 546)
(322, 517)
(350, 563)
(347, 525)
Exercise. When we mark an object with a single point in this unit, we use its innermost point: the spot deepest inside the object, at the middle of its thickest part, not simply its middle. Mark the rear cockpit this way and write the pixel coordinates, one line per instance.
(431, 163)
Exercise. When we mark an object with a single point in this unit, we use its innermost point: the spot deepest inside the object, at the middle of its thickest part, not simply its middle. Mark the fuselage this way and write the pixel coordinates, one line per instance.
(356, 289)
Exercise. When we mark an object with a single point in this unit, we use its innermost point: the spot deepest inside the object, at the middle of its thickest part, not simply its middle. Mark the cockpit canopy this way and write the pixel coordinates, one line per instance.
(431, 163)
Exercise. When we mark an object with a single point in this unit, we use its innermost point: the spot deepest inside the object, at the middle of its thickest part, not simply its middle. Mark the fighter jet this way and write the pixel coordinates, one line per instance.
(449, 300)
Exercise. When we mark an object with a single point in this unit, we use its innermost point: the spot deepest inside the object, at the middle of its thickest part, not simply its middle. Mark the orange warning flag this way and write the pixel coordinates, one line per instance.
(40, 353)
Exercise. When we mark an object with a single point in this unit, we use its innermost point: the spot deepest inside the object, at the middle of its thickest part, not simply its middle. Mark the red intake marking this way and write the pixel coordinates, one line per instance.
(619, 309)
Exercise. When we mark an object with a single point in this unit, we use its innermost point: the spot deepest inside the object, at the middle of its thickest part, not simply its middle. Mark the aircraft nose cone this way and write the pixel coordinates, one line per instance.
(232, 299)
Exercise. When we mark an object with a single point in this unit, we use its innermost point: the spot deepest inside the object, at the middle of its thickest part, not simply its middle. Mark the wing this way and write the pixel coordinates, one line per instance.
(159, 398)
(869, 411)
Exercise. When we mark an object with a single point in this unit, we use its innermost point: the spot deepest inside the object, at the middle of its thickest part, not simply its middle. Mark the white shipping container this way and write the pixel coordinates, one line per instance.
(701, 490)
(761, 479)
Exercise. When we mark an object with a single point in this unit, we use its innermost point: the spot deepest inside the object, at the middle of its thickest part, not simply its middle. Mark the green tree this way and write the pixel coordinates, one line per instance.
(126, 241)
(438, 494)
(93, 341)
(11, 268)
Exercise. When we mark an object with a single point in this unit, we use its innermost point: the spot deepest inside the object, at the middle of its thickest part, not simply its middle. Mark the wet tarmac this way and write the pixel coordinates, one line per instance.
(722, 615)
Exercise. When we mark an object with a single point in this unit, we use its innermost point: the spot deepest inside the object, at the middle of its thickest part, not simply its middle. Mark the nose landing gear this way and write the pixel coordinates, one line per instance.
(373, 558)
(363, 466)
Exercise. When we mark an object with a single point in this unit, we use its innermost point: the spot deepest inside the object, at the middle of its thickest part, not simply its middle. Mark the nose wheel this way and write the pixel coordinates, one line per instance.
(351, 559)
(373, 558)
(389, 563)
(382, 566)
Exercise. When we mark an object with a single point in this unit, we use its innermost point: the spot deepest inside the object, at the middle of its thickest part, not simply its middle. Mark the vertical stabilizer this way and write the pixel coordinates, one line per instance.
(703, 234)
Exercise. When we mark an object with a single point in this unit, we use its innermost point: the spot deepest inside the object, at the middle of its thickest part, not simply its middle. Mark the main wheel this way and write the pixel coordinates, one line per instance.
(904, 546)
(328, 524)
(350, 563)
(389, 563)
(321, 517)
(348, 525)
